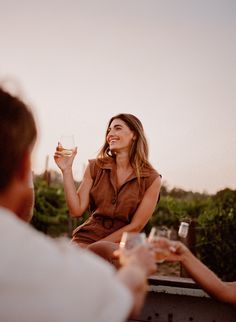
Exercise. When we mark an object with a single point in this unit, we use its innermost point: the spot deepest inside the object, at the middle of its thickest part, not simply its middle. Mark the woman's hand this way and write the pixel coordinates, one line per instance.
(175, 249)
(64, 161)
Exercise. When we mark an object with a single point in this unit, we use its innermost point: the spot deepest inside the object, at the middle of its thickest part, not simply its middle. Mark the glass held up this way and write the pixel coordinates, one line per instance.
(130, 240)
(155, 235)
(66, 144)
(162, 252)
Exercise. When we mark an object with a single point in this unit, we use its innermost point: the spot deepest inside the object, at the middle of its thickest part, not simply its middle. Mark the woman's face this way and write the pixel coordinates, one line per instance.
(119, 136)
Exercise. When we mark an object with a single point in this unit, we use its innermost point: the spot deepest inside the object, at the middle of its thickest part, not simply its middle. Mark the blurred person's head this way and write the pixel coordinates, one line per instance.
(17, 137)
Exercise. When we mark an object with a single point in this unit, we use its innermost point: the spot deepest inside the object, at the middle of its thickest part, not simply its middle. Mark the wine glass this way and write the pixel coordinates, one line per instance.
(156, 234)
(130, 240)
(67, 144)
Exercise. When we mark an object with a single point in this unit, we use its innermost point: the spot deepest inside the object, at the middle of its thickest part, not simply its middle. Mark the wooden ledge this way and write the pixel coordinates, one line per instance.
(175, 285)
(174, 281)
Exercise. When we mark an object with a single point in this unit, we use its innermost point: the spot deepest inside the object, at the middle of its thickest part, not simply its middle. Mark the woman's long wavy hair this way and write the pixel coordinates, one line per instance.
(138, 155)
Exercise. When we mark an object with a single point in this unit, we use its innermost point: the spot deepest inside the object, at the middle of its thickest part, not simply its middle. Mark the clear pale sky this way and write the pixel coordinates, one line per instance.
(172, 63)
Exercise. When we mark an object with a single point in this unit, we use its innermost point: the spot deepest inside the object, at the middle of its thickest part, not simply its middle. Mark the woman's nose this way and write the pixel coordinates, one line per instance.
(110, 134)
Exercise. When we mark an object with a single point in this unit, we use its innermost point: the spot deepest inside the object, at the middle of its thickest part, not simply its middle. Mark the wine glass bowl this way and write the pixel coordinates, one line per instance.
(66, 144)
(155, 235)
(130, 240)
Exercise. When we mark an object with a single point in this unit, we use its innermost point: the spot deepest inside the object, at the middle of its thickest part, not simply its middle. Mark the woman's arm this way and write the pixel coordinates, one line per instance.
(77, 201)
(142, 214)
(206, 278)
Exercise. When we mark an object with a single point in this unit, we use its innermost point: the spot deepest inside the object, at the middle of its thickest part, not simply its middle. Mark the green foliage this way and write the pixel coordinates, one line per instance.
(172, 209)
(216, 236)
(50, 211)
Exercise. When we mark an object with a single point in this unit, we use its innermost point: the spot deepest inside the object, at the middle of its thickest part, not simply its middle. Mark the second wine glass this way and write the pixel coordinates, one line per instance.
(130, 239)
(155, 234)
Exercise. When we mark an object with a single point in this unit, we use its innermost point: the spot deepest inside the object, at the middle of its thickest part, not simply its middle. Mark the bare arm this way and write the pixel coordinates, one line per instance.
(142, 214)
(77, 201)
(206, 278)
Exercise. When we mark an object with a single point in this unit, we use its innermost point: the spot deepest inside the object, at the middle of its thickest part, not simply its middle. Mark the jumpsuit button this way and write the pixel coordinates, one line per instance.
(113, 201)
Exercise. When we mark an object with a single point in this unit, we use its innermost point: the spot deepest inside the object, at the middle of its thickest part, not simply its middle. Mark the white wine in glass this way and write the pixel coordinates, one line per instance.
(155, 234)
(67, 144)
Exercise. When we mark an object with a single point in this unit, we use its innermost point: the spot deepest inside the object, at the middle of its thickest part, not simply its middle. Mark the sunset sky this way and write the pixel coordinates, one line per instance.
(172, 63)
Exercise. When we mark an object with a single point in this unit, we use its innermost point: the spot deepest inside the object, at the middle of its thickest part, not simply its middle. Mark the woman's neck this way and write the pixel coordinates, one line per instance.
(122, 161)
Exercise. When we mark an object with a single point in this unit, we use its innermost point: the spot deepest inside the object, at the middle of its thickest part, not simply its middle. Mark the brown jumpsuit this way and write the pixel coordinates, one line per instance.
(111, 208)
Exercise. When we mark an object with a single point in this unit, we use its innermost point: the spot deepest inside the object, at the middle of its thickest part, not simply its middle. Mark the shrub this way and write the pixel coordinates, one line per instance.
(216, 236)
(50, 211)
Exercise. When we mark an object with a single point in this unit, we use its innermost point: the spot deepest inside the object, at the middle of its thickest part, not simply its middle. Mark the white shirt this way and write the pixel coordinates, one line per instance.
(45, 280)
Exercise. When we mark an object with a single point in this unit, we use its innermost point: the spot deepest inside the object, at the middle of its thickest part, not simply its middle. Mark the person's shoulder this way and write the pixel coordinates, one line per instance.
(151, 171)
(97, 165)
(26, 238)
(92, 162)
(94, 167)
(102, 163)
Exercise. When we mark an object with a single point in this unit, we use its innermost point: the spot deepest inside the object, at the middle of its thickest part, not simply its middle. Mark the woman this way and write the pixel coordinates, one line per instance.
(120, 187)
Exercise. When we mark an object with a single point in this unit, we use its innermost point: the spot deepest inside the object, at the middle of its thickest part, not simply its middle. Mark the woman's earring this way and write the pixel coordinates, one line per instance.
(108, 152)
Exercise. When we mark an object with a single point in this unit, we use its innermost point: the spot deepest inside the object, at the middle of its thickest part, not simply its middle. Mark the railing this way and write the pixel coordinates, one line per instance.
(178, 299)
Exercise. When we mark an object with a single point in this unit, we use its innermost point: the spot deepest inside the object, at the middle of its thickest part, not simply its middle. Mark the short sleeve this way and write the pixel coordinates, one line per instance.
(92, 167)
(151, 178)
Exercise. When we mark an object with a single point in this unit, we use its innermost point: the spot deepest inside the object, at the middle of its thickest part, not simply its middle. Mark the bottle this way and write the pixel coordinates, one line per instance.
(183, 229)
